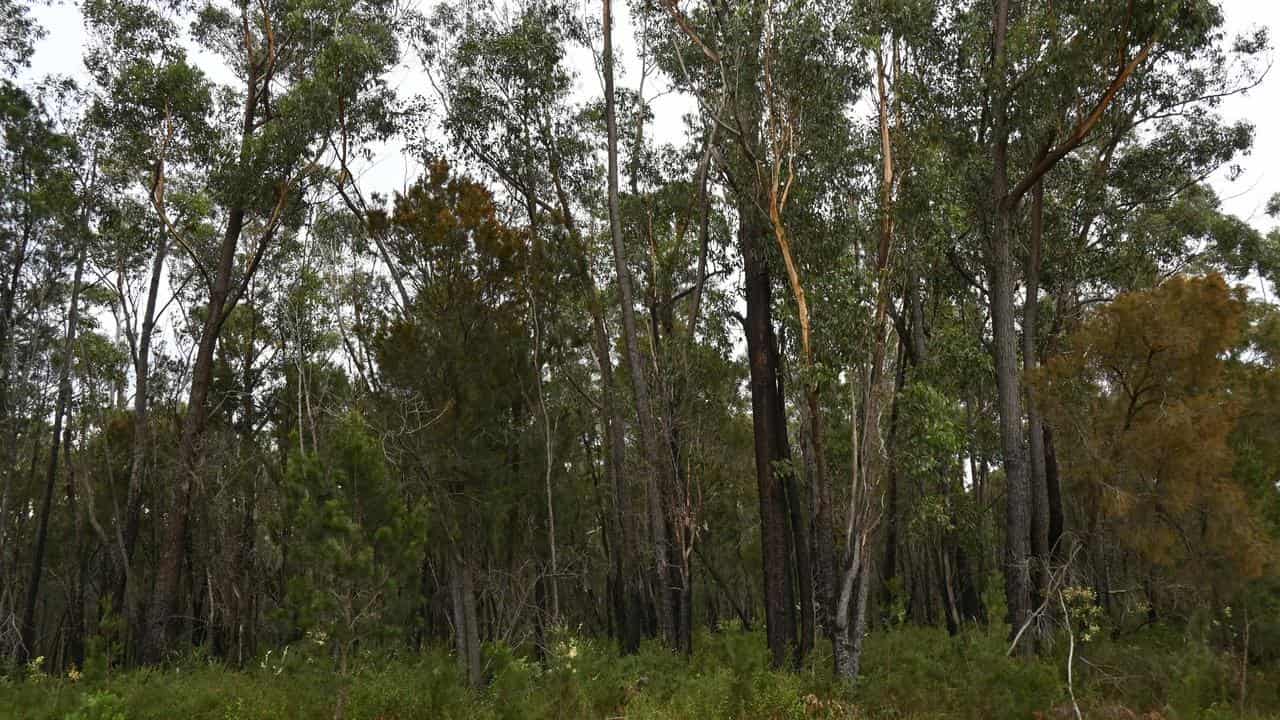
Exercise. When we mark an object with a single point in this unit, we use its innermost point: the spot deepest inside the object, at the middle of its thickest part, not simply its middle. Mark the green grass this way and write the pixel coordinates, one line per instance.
(910, 673)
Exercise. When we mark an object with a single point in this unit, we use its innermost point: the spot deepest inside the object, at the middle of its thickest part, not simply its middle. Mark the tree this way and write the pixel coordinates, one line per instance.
(453, 362)
(305, 79)
(1143, 400)
(356, 539)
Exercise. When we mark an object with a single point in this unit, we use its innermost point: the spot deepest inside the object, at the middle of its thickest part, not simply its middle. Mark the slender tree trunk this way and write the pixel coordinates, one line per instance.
(890, 570)
(859, 631)
(125, 599)
(824, 540)
(466, 635)
(1053, 485)
(76, 611)
(8, 419)
(553, 579)
(1035, 427)
(868, 458)
(28, 637)
(846, 647)
(659, 470)
(475, 675)
(627, 562)
(799, 545)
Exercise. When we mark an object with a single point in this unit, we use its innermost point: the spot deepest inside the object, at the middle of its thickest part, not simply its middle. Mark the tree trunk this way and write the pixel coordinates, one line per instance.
(1004, 342)
(659, 470)
(627, 563)
(1040, 544)
(779, 612)
(824, 540)
(8, 421)
(1053, 485)
(222, 300)
(28, 637)
(125, 599)
(75, 633)
(168, 572)
(800, 547)
(465, 629)
(859, 630)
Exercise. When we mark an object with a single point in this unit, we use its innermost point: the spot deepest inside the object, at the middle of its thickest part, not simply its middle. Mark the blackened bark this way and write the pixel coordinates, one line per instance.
(1040, 543)
(800, 548)
(1053, 485)
(774, 535)
(890, 570)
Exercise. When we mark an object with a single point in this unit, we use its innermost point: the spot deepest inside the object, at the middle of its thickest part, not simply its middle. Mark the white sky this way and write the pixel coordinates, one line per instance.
(60, 53)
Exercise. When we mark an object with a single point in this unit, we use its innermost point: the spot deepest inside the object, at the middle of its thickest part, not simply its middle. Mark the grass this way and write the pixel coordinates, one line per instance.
(910, 673)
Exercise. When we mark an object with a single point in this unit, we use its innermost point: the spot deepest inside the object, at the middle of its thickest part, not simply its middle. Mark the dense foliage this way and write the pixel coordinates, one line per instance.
(884, 359)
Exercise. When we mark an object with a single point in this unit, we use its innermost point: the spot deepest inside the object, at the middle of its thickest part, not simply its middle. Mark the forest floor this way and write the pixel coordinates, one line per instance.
(1153, 674)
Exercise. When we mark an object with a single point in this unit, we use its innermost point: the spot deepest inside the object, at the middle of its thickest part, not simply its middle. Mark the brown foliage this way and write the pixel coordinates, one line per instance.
(1144, 404)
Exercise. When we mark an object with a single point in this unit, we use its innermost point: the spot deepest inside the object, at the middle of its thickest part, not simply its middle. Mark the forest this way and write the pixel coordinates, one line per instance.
(673, 359)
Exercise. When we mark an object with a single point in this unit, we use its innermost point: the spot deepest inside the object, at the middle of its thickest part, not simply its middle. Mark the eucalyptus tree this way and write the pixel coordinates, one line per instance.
(302, 73)
(46, 222)
(152, 107)
(32, 176)
(660, 467)
(818, 158)
(715, 55)
(1051, 85)
(504, 83)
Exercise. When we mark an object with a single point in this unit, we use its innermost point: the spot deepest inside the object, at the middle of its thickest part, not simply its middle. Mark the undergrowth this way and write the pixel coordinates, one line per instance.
(910, 672)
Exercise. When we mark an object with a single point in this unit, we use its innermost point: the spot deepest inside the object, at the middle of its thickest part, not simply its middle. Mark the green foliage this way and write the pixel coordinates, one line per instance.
(915, 673)
(355, 536)
(100, 705)
(413, 388)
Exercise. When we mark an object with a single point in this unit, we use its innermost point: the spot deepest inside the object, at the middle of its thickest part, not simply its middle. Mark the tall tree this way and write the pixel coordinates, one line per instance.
(303, 77)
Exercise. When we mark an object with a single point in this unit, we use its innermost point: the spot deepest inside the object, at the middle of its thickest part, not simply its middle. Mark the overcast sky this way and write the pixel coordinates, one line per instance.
(60, 53)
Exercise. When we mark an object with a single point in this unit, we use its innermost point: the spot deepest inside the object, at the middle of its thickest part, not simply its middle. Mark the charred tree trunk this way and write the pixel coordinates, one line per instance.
(1053, 485)
(779, 610)
(1040, 544)
(799, 544)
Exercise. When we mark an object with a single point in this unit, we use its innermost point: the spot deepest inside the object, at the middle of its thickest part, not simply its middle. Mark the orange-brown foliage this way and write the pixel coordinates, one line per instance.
(1142, 402)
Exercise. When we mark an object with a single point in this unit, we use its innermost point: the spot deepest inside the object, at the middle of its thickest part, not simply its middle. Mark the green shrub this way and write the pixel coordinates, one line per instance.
(99, 705)
(910, 672)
